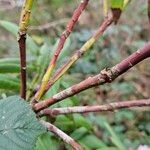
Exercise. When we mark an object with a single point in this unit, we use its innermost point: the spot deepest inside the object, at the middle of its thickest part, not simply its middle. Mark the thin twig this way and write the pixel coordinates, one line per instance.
(23, 25)
(105, 76)
(60, 46)
(98, 108)
(61, 71)
(22, 47)
(67, 139)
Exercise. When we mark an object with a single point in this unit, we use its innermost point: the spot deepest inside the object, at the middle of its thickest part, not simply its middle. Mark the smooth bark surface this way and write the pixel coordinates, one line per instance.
(23, 26)
(67, 139)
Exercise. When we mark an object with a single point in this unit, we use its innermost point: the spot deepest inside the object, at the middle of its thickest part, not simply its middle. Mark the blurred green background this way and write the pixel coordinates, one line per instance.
(118, 130)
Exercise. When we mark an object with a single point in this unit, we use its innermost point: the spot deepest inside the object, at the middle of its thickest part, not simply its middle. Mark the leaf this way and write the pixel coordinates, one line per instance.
(101, 121)
(13, 68)
(46, 142)
(123, 88)
(9, 61)
(125, 114)
(9, 68)
(53, 90)
(117, 4)
(64, 51)
(79, 133)
(64, 123)
(92, 142)
(13, 29)
(108, 148)
(115, 139)
(19, 128)
(43, 59)
(72, 101)
(14, 60)
(9, 83)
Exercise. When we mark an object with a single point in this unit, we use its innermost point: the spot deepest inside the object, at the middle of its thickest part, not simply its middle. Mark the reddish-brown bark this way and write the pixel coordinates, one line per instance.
(22, 48)
(105, 76)
(98, 108)
(67, 139)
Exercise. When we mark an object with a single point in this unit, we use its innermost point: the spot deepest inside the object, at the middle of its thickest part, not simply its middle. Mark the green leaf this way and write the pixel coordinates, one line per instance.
(13, 68)
(81, 121)
(53, 90)
(13, 29)
(79, 133)
(19, 128)
(74, 100)
(9, 83)
(108, 148)
(10, 27)
(92, 142)
(115, 139)
(117, 4)
(125, 88)
(9, 68)
(64, 123)
(9, 61)
(14, 60)
(125, 114)
(65, 49)
(43, 59)
(46, 142)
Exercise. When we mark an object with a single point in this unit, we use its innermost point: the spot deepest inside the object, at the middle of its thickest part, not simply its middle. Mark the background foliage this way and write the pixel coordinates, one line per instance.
(112, 130)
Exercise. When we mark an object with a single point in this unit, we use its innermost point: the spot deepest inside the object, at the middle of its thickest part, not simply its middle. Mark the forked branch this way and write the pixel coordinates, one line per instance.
(105, 76)
(105, 24)
(60, 46)
(98, 108)
(67, 139)
(62, 70)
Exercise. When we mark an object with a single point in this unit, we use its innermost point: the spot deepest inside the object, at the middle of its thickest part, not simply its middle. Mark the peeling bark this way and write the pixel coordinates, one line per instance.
(98, 108)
